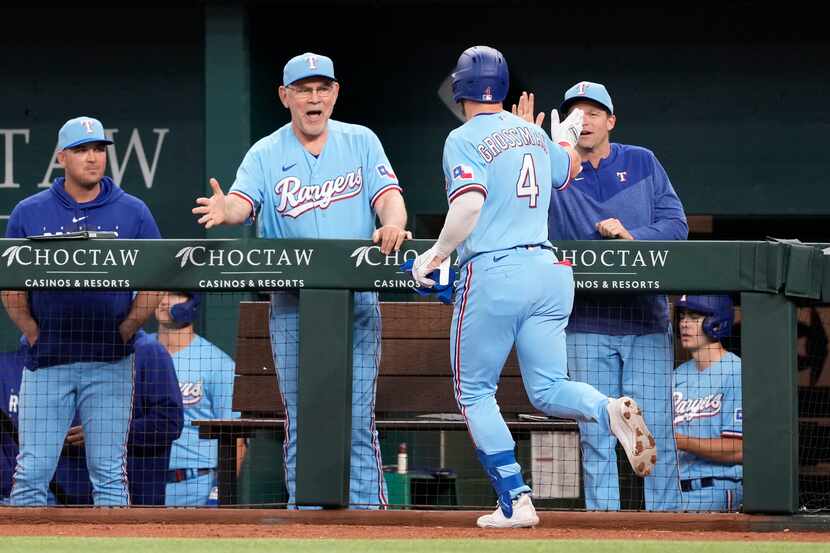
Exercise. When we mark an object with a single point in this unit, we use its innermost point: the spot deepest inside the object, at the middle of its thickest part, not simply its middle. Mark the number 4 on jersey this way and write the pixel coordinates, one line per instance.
(526, 185)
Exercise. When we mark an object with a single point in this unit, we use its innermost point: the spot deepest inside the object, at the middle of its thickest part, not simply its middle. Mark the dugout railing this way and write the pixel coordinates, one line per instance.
(772, 278)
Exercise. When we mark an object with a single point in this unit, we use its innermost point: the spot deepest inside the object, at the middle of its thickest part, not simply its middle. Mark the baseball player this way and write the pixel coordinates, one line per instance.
(205, 377)
(708, 417)
(500, 172)
(620, 344)
(319, 178)
(81, 343)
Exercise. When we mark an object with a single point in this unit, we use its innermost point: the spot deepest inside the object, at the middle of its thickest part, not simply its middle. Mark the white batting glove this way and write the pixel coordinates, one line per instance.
(568, 131)
(425, 263)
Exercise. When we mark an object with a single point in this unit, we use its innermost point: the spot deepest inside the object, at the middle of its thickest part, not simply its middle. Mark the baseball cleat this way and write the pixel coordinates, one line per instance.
(628, 426)
(524, 515)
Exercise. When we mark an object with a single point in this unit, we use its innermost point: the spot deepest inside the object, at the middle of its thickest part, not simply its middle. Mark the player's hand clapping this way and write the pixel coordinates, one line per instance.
(569, 130)
(525, 109)
(212, 210)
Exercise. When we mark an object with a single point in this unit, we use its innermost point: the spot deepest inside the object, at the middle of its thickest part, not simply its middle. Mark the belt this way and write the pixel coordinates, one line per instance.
(177, 475)
(523, 246)
(535, 246)
(706, 482)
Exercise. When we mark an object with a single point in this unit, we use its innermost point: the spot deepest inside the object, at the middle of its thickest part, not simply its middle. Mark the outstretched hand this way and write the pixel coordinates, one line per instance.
(212, 210)
(569, 130)
(525, 109)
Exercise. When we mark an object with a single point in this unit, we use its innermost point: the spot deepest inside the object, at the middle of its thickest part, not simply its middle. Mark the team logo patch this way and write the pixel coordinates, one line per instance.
(487, 96)
(462, 172)
(385, 171)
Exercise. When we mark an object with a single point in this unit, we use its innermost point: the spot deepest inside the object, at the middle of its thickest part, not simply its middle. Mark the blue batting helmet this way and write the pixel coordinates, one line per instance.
(480, 75)
(186, 312)
(718, 311)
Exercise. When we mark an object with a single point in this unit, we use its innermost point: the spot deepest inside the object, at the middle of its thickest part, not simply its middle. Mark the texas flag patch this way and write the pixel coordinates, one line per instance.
(385, 171)
(462, 172)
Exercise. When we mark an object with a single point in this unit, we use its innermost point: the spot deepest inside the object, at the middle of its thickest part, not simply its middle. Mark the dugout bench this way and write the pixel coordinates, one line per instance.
(413, 387)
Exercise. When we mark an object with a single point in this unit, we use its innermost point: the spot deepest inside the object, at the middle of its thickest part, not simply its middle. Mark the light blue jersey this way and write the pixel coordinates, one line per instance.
(205, 375)
(513, 163)
(516, 294)
(298, 195)
(707, 404)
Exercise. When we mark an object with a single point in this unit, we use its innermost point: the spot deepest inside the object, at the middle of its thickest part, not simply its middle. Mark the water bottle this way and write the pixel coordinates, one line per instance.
(213, 497)
(403, 460)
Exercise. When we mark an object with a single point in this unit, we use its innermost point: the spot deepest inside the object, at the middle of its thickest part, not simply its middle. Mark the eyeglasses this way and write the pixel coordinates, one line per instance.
(305, 93)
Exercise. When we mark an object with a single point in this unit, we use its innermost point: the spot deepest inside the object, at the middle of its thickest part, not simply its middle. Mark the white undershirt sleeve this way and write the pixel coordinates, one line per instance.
(460, 222)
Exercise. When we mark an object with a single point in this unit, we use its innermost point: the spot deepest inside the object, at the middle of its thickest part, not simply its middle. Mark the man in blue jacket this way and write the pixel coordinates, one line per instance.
(80, 354)
(157, 421)
(620, 344)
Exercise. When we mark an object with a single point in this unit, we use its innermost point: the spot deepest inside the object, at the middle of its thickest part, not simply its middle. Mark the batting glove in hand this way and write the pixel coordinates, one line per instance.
(442, 291)
(422, 266)
(568, 131)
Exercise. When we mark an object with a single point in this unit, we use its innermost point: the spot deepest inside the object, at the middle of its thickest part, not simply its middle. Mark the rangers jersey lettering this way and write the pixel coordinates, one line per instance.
(296, 199)
(686, 410)
(296, 194)
(191, 392)
(707, 404)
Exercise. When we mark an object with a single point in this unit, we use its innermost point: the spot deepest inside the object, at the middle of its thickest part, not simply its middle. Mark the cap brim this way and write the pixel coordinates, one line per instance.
(87, 141)
(329, 77)
(566, 105)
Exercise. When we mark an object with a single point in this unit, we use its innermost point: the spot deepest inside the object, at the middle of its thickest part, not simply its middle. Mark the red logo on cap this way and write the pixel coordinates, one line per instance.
(581, 88)
(88, 125)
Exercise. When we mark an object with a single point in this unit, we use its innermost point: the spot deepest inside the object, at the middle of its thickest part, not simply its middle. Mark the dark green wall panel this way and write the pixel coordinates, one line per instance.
(730, 99)
(133, 69)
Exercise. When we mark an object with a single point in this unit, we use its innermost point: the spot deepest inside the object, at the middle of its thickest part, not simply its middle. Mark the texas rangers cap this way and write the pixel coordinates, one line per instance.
(81, 130)
(585, 90)
(307, 65)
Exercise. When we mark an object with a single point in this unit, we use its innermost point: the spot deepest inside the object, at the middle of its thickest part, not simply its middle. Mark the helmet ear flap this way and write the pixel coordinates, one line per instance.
(712, 327)
(186, 312)
(718, 312)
